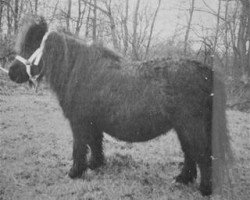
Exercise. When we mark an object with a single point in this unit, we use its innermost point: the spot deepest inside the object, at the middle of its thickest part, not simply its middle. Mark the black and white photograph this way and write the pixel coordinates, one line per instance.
(124, 99)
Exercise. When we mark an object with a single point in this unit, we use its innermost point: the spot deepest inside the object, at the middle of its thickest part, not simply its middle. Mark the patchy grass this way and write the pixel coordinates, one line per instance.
(35, 155)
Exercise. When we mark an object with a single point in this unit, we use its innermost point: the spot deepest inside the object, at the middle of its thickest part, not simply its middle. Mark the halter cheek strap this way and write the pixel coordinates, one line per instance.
(34, 59)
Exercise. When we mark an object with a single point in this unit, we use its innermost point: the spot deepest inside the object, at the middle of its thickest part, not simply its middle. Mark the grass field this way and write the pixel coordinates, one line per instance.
(36, 146)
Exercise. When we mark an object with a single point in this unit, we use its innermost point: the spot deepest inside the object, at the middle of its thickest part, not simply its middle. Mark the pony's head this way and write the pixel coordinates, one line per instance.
(26, 64)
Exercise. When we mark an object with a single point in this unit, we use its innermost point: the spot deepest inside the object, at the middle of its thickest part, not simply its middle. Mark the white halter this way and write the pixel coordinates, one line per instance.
(34, 59)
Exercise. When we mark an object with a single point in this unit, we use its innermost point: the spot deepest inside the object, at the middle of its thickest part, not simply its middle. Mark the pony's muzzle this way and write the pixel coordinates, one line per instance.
(18, 75)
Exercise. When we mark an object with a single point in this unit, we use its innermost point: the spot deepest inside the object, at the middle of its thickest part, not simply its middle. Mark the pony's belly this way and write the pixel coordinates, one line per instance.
(137, 132)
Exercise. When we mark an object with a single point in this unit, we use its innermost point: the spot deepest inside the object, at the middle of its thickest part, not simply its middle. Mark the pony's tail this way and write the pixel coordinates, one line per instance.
(221, 148)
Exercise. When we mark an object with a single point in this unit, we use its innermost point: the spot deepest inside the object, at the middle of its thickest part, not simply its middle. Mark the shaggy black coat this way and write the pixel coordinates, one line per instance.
(100, 92)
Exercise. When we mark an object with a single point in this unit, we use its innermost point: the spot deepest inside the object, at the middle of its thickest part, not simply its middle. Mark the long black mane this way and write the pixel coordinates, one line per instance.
(64, 54)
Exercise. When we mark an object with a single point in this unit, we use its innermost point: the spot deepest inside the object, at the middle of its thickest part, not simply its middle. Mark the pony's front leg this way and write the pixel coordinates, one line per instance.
(97, 157)
(80, 141)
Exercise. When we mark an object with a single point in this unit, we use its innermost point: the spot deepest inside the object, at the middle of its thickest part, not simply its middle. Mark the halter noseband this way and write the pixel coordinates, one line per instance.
(34, 59)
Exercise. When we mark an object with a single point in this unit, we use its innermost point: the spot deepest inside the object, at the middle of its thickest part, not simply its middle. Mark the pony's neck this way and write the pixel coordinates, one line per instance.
(64, 55)
(57, 61)
(66, 58)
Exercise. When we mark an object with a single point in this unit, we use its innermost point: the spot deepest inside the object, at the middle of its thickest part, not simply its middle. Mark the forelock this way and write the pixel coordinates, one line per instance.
(29, 23)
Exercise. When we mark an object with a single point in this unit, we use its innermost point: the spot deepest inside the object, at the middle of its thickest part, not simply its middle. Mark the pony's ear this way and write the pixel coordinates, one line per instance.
(31, 34)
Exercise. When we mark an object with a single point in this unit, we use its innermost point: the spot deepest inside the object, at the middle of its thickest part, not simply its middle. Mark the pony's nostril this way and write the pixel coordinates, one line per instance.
(13, 77)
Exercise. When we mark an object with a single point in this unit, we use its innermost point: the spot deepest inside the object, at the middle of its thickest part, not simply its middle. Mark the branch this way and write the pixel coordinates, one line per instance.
(209, 12)
(135, 24)
(152, 27)
(205, 11)
(8, 4)
(97, 7)
(54, 12)
(213, 11)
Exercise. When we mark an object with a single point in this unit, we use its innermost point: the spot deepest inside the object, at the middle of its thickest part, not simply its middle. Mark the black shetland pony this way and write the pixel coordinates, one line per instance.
(101, 92)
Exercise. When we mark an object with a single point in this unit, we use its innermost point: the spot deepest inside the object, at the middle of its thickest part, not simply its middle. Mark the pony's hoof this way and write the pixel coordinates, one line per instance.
(184, 179)
(95, 165)
(205, 190)
(74, 173)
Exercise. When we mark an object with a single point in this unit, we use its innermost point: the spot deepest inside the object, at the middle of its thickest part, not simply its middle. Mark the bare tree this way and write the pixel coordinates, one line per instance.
(233, 26)
(226, 42)
(135, 55)
(238, 26)
(191, 11)
(125, 27)
(152, 27)
(94, 21)
(9, 19)
(1, 15)
(68, 15)
(109, 14)
(217, 29)
(88, 19)
(36, 6)
(112, 25)
(248, 44)
(52, 17)
(16, 7)
(244, 40)
(81, 13)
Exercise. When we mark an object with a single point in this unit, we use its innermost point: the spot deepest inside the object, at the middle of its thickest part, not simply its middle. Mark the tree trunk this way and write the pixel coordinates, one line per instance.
(216, 32)
(16, 16)
(228, 68)
(108, 13)
(68, 15)
(233, 25)
(9, 21)
(113, 32)
(247, 59)
(135, 55)
(94, 36)
(78, 22)
(191, 12)
(36, 6)
(54, 12)
(1, 14)
(112, 25)
(243, 38)
(80, 17)
(87, 21)
(152, 28)
(125, 27)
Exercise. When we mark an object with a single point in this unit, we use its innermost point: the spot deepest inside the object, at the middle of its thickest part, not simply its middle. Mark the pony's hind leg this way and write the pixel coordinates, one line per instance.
(205, 165)
(196, 144)
(80, 138)
(189, 171)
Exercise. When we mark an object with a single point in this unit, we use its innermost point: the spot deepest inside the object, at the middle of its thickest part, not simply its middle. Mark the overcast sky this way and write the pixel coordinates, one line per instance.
(172, 15)
(174, 12)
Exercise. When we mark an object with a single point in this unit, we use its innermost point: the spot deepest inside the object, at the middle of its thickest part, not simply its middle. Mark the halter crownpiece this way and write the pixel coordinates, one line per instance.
(34, 59)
